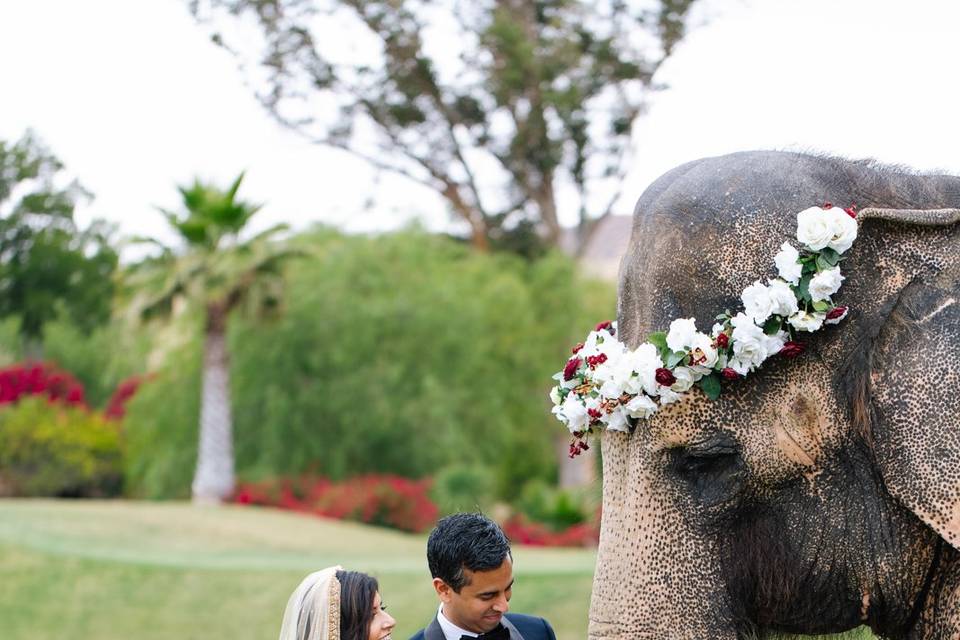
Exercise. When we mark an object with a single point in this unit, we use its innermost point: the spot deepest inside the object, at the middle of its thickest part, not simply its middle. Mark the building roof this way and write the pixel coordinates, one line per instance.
(601, 257)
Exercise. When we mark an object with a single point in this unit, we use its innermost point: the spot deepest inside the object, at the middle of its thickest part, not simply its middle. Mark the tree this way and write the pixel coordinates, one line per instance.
(48, 265)
(517, 112)
(221, 273)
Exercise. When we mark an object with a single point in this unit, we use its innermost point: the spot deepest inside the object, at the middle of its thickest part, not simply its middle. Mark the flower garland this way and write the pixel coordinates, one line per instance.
(607, 386)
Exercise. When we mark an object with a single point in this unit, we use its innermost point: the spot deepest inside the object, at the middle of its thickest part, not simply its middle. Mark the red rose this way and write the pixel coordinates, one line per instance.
(729, 374)
(665, 377)
(851, 211)
(723, 340)
(594, 413)
(571, 369)
(605, 325)
(578, 445)
(827, 205)
(792, 349)
(836, 312)
(593, 361)
(577, 348)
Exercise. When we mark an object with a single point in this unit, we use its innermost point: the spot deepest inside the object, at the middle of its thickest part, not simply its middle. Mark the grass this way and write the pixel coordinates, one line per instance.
(159, 571)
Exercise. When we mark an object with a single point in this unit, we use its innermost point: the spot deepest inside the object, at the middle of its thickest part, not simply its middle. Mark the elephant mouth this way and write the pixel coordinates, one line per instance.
(615, 631)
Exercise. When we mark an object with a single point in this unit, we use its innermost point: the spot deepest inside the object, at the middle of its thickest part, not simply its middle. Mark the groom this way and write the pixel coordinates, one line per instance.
(469, 558)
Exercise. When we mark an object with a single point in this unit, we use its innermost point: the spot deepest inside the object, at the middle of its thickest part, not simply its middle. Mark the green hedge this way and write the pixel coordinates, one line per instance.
(161, 423)
(100, 359)
(405, 353)
(48, 449)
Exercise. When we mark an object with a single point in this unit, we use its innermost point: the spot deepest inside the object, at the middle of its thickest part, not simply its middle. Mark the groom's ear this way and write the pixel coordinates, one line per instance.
(444, 592)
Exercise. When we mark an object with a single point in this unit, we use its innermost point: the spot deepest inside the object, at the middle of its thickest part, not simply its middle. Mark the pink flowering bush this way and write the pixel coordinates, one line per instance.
(383, 500)
(521, 530)
(39, 379)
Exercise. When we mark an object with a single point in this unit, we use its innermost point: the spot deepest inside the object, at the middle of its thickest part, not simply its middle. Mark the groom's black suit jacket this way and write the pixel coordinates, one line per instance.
(528, 628)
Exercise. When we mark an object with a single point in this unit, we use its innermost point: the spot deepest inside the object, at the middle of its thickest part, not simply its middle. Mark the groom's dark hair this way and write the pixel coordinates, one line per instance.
(465, 541)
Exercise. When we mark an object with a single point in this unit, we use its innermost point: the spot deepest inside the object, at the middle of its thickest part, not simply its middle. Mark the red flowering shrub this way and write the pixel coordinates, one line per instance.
(40, 379)
(389, 501)
(520, 530)
(117, 405)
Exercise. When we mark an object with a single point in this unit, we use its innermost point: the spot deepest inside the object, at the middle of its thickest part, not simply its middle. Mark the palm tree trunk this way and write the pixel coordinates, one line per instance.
(214, 478)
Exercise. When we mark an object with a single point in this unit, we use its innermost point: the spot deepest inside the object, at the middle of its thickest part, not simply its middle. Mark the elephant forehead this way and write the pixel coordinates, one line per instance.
(694, 262)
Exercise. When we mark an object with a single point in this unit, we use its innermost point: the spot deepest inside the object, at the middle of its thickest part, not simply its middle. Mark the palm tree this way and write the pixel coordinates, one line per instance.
(218, 271)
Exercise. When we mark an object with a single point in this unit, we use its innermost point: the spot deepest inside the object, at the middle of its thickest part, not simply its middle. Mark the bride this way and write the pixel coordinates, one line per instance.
(333, 604)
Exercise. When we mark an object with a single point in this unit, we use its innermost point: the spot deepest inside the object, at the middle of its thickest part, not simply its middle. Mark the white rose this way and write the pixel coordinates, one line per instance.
(681, 334)
(703, 354)
(616, 420)
(555, 395)
(612, 388)
(844, 230)
(803, 321)
(756, 302)
(623, 379)
(590, 347)
(787, 265)
(668, 396)
(783, 301)
(749, 344)
(743, 322)
(641, 407)
(573, 413)
(814, 228)
(608, 374)
(716, 330)
(685, 379)
(645, 361)
(602, 342)
(825, 284)
(775, 343)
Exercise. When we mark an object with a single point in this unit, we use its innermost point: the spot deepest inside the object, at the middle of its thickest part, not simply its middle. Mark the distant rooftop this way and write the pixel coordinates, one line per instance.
(601, 258)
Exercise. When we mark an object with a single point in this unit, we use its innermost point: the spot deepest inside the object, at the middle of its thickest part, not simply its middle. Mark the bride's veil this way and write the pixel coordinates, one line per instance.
(313, 611)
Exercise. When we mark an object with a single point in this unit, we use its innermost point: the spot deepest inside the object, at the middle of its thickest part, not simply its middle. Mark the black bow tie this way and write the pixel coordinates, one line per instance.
(500, 633)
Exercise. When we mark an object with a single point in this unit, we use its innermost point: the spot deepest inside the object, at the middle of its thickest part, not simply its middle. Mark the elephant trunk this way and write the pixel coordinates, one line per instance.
(654, 579)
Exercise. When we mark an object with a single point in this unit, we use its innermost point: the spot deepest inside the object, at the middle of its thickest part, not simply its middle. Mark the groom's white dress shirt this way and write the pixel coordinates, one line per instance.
(450, 630)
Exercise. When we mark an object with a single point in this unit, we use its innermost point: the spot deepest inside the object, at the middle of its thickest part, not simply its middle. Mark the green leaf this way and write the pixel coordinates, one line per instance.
(829, 256)
(821, 305)
(710, 385)
(659, 340)
(772, 325)
(809, 267)
(675, 358)
(803, 289)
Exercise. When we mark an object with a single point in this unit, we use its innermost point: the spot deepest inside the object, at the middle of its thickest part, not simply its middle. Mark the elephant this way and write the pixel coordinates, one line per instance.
(820, 493)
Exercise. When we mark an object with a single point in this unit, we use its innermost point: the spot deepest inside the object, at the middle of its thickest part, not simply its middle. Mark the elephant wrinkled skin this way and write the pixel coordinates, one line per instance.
(820, 493)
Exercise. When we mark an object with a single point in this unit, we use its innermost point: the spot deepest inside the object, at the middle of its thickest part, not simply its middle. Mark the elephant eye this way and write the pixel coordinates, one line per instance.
(712, 469)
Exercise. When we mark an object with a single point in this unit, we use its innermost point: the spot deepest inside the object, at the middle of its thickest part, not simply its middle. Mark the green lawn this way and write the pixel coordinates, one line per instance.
(163, 571)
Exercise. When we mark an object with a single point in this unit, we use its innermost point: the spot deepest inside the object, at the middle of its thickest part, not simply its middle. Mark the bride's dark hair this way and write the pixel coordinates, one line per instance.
(357, 592)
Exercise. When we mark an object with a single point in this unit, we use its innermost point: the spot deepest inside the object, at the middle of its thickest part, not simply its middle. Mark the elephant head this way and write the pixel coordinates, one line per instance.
(820, 493)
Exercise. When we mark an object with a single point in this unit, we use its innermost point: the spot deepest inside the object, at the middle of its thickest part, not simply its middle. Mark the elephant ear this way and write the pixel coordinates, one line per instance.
(913, 362)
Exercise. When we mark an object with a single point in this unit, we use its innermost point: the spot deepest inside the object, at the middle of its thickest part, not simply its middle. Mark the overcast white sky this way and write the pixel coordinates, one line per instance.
(134, 98)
